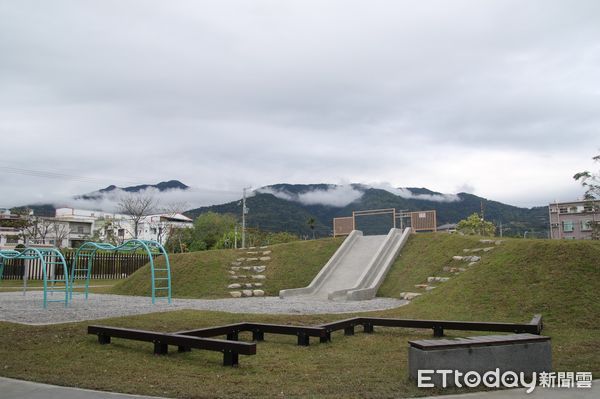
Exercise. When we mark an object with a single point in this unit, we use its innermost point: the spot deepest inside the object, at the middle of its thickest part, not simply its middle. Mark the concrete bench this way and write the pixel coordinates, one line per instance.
(525, 353)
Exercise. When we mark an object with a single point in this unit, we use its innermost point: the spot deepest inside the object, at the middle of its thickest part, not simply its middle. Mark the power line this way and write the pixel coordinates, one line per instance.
(60, 176)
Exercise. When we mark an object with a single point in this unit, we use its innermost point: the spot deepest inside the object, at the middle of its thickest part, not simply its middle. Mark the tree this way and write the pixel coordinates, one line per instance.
(591, 183)
(137, 206)
(37, 229)
(474, 224)
(311, 223)
(61, 231)
(227, 241)
(180, 240)
(175, 234)
(106, 227)
(209, 228)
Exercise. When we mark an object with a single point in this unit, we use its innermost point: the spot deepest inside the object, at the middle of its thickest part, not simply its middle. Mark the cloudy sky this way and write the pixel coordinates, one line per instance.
(497, 98)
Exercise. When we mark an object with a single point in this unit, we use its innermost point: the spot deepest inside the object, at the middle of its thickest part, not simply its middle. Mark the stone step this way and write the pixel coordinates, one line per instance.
(409, 296)
(437, 279)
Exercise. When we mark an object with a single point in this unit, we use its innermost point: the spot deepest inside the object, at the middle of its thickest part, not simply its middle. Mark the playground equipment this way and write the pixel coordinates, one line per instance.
(378, 221)
(81, 270)
(53, 265)
(356, 269)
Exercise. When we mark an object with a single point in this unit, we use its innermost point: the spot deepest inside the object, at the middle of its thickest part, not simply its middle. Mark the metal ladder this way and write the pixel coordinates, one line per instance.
(52, 261)
(81, 271)
(161, 277)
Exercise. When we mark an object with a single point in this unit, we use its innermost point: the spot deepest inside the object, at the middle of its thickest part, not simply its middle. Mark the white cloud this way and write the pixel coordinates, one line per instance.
(406, 193)
(333, 195)
(281, 194)
(338, 196)
(275, 92)
(186, 199)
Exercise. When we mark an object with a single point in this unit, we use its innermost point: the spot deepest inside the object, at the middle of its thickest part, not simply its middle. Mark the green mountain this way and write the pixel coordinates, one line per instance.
(287, 207)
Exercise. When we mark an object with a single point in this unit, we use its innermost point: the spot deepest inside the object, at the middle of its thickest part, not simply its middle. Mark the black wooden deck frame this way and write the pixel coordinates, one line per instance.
(258, 331)
(231, 348)
(438, 326)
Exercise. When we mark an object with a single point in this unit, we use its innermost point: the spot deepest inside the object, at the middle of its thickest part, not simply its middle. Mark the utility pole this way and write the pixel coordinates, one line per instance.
(244, 212)
(482, 219)
(235, 236)
(482, 215)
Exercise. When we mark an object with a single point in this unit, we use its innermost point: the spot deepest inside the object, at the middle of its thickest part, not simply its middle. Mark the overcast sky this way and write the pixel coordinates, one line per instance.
(497, 98)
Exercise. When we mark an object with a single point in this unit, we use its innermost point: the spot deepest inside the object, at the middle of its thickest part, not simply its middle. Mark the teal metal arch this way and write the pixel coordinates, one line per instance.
(84, 256)
(51, 260)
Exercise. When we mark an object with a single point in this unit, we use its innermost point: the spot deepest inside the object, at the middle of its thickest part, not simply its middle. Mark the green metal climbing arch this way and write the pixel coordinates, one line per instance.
(54, 270)
(81, 269)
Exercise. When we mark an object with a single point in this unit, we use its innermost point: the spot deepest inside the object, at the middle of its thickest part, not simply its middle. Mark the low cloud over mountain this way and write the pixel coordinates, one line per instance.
(345, 194)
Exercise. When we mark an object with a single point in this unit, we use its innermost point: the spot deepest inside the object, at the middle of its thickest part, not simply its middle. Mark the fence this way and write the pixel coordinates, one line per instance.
(379, 221)
(105, 266)
(423, 221)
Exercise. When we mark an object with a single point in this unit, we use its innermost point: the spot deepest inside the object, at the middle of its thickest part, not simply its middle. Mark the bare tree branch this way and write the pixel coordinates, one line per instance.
(137, 206)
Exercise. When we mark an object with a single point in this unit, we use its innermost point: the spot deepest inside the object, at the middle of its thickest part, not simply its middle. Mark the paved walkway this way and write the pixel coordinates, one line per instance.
(17, 389)
(27, 309)
(538, 393)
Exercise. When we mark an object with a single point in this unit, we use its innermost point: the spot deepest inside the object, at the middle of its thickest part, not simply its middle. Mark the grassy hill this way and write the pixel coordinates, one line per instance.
(517, 278)
(204, 274)
(560, 279)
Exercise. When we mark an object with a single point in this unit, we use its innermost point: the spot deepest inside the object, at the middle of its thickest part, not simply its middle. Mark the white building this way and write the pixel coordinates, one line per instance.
(116, 228)
(72, 227)
(10, 236)
(158, 227)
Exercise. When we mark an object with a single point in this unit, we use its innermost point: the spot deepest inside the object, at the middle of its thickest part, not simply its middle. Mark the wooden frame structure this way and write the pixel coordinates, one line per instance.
(419, 220)
(232, 348)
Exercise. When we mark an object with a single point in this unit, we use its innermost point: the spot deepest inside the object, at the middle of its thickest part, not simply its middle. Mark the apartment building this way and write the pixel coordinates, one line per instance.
(572, 220)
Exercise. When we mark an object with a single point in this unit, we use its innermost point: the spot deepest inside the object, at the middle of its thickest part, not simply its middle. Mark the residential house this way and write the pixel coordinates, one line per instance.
(572, 220)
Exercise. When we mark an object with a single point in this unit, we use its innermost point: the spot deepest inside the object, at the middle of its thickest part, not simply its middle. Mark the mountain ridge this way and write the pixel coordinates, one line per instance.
(161, 186)
(280, 207)
(288, 207)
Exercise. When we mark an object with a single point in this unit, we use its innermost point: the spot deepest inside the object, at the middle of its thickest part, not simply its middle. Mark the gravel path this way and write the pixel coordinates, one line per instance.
(16, 308)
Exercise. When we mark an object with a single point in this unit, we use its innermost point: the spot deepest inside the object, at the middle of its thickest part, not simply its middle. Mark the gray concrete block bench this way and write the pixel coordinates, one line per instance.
(518, 353)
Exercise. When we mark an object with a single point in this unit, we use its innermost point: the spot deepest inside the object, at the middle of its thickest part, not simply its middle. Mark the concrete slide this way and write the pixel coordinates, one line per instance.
(356, 269)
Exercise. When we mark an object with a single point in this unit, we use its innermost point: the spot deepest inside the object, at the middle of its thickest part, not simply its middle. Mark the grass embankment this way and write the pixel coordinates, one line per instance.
(513, 281)
(205, 274)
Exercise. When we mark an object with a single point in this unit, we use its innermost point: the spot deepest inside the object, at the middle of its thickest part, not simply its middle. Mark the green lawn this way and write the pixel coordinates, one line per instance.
(512, 282)
(204, 274)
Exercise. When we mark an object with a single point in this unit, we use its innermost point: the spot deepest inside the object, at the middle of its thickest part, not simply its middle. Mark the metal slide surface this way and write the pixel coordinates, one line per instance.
(360, 263)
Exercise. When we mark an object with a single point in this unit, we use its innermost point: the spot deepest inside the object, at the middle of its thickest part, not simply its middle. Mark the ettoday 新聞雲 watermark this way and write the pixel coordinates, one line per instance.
(506, 379)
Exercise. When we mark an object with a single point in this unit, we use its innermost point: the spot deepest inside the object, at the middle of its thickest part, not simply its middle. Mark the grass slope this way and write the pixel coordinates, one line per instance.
(513, 281)
(204, 274)
(559, 279)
